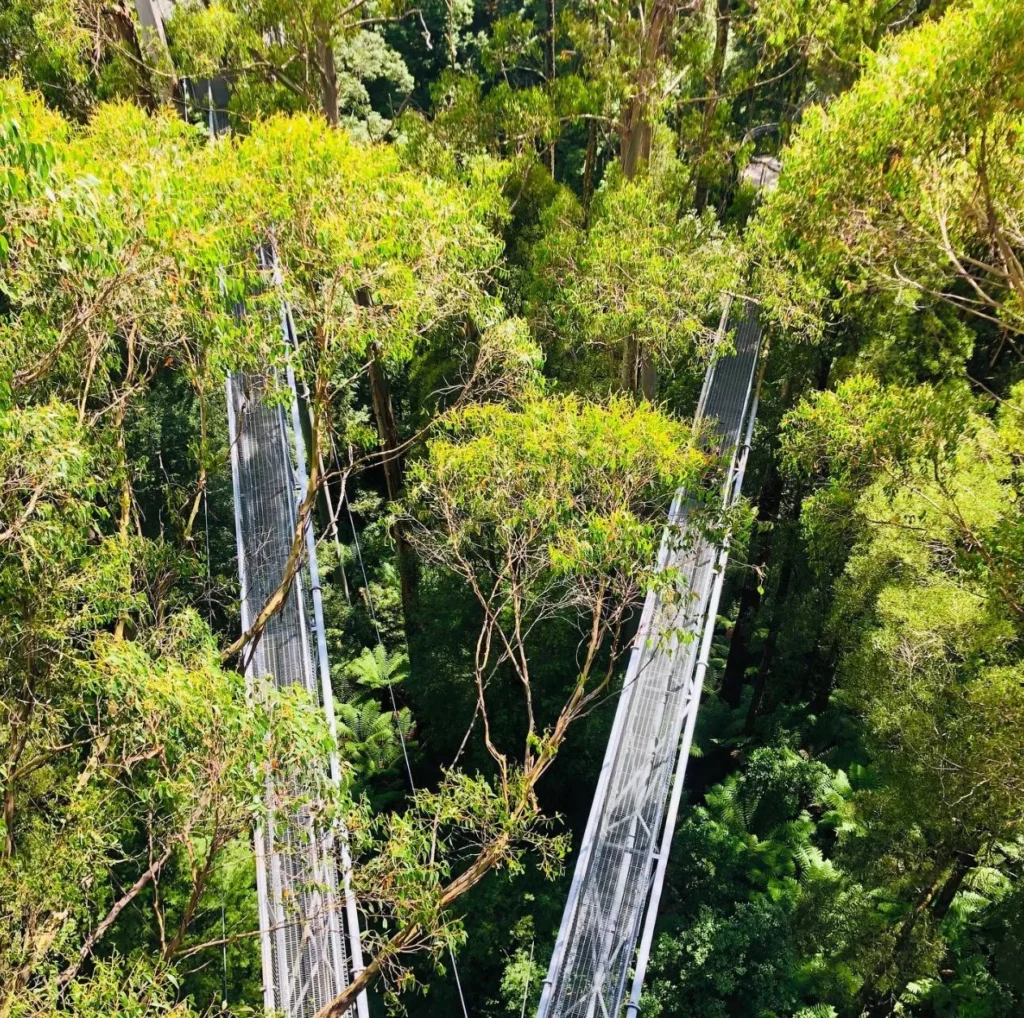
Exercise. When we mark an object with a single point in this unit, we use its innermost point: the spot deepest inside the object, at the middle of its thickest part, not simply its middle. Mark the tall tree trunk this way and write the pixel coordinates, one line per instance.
(635, 131)
(394, 472)
(329, 83)
(635, 134)
(714, 86)
(15, 747)
(387, 429)
(634, 139)
(965, 862)
(736, 663)
(148, 47)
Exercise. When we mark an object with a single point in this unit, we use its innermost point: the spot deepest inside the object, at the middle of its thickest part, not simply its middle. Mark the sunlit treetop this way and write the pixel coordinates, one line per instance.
(906, 188)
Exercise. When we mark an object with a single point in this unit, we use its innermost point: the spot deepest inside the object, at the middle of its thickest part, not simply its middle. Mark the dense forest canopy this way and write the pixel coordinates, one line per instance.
(507, 235)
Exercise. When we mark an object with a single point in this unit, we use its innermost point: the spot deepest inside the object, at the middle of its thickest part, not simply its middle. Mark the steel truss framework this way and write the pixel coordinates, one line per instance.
(621, 864)
(309, 929)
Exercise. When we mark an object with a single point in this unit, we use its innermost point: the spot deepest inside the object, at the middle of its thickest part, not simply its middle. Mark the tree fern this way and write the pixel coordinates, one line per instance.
(816, 1011)
(376, 668)
(370, 737)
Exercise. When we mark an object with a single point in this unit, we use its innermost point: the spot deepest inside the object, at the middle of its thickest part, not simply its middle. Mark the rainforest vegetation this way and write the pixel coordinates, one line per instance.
(507, 234)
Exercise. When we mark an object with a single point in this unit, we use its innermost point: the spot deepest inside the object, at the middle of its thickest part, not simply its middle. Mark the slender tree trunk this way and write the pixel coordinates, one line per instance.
(387, 429)
(944, 899)
(384, 415)
(149, 49)
(466, 881)
(329, 83)
(639, 374)
(714, 86)
(940, 902)
(13, 757)
(635, 132)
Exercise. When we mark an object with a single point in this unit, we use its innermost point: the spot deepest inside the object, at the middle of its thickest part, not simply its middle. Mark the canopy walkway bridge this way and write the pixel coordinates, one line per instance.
(309, 927)
(620, 867)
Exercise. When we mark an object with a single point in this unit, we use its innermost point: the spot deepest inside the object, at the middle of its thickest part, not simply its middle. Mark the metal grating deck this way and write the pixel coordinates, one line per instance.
(306, 909)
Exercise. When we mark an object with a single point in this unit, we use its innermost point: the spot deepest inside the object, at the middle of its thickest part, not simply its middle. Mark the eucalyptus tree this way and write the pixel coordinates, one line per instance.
(133, 762)
(906, 188)
(376, 264)
(548, 507)
(597, 86)
(640, 288)
(294, 56)
(928, 617)
(896, 227)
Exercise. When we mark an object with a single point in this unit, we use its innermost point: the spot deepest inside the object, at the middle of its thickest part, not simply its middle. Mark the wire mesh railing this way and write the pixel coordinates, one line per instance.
(621, 859)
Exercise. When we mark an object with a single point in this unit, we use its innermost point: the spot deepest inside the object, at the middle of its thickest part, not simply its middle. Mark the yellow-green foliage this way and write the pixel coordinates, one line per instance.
(910, 181)
(931, 615)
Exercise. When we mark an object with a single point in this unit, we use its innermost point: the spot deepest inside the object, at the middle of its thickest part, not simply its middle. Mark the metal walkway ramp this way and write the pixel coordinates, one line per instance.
(309, 928)
(622, 857)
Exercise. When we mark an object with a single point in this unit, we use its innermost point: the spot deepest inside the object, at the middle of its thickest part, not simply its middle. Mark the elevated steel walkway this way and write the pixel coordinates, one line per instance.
(620, 868)
(309, 930)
